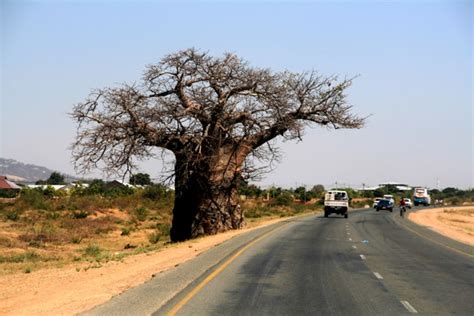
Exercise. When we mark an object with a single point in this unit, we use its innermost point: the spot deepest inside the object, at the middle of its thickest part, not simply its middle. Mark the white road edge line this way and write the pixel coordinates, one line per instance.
(378, 276)
(409, 307)
(363, 257)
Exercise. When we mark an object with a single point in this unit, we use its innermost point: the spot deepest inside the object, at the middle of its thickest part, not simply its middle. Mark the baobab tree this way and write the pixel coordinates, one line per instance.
(217, 115)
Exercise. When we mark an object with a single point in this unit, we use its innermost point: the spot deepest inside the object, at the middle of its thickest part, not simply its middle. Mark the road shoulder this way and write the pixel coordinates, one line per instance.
(427, 232)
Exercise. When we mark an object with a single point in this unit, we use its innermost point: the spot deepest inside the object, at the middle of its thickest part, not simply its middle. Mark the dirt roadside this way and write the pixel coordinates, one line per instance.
(66, 291)
(454, 222)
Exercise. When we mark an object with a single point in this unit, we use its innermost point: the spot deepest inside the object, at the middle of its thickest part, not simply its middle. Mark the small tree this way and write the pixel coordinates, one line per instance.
(379, 192)
(55, 178)
(96, 186)
(301, 193)
(140, 179)
(318, 190)
(216, 116)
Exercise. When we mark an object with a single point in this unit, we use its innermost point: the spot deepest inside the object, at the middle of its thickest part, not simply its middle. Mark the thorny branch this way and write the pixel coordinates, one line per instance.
(193, 104)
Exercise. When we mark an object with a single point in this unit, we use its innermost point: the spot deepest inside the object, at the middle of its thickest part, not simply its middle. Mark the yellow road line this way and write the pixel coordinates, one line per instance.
(215, 273)
(436, 242)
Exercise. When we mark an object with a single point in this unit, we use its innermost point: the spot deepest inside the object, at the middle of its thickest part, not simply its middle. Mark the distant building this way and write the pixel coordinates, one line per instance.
(8, 188)
(44, 186)
(120, 184)
(397, 185)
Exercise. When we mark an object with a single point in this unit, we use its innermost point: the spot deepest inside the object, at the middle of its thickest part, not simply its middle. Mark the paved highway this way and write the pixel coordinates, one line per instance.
(373, 263)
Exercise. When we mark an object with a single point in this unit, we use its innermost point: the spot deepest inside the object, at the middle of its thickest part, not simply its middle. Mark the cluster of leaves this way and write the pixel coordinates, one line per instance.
(54, 178)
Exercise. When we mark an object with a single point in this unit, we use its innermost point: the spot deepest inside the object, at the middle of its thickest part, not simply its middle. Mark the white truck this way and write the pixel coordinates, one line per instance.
(336, 201)
(421, 197)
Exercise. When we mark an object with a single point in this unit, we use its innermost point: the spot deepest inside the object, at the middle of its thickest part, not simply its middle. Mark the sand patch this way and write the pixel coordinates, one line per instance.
(454, 222)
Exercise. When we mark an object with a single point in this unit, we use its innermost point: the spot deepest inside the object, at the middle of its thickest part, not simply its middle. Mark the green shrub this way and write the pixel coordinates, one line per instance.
(33, 199)
(79, 214)
(92, 251)
(164, 228)
(49, 191)
(252, 213)
(76, 239)
(30, 256)
(456, 201)
(141, 213)
(154, 192)
(284, 199)
(13, 216)
(154, 237)
(125, 231)
(52, 215)
(118, 191)
(8, 193)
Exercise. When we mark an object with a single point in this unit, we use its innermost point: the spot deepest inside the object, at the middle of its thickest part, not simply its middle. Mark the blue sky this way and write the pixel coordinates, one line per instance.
(413, 59)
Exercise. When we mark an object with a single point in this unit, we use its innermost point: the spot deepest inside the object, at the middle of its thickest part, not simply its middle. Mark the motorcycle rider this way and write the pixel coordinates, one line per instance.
(402, 206)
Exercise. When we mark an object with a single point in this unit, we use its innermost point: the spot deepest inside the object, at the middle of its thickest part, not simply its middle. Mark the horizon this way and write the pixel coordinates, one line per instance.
(306, 185)
(415, 80)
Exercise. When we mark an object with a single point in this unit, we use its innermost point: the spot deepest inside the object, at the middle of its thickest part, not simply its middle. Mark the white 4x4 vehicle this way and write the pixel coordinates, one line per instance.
(408, 203)
(336, 202)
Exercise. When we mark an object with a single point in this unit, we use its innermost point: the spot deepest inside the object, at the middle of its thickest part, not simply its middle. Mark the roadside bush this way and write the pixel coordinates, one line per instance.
(154, 192)
(141, 213)
(50, 192)
(125, 231)
(41, 233)
(284, 199)
(30, 256)
(92, 251)
(154, 237)
(8, 194)
(32, 199)
(119, 191)
(79, 214)
(455, 201)
(76, 239)
(53, 215)
(164, 228)
(12, 216)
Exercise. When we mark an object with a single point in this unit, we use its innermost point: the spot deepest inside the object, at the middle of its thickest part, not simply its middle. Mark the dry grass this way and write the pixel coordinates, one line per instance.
(58, 240)
(59, 233)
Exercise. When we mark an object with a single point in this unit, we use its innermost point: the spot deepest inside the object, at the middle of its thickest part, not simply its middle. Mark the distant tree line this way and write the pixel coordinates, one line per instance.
(277, 195)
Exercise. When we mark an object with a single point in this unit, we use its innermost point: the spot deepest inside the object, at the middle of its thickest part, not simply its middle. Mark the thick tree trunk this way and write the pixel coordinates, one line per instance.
(200, 211)
(205, 204)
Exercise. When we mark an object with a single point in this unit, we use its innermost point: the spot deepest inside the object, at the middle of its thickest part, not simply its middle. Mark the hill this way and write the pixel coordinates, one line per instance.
(26, 173)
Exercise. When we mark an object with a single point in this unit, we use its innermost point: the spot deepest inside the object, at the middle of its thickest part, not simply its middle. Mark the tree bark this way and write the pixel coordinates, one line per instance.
(206, 198)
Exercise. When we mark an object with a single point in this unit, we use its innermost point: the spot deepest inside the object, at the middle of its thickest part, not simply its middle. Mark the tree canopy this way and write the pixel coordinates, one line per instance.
(140, 179)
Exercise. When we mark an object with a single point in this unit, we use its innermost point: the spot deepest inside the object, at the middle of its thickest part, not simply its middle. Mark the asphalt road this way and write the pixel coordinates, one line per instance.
(373, 263)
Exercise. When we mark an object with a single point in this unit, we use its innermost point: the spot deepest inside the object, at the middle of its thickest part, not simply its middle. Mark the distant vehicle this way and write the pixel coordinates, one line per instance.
(336, 202)
(376, 201)
(408, 203)
(389, 197)
(421, 197)
(385, 204)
